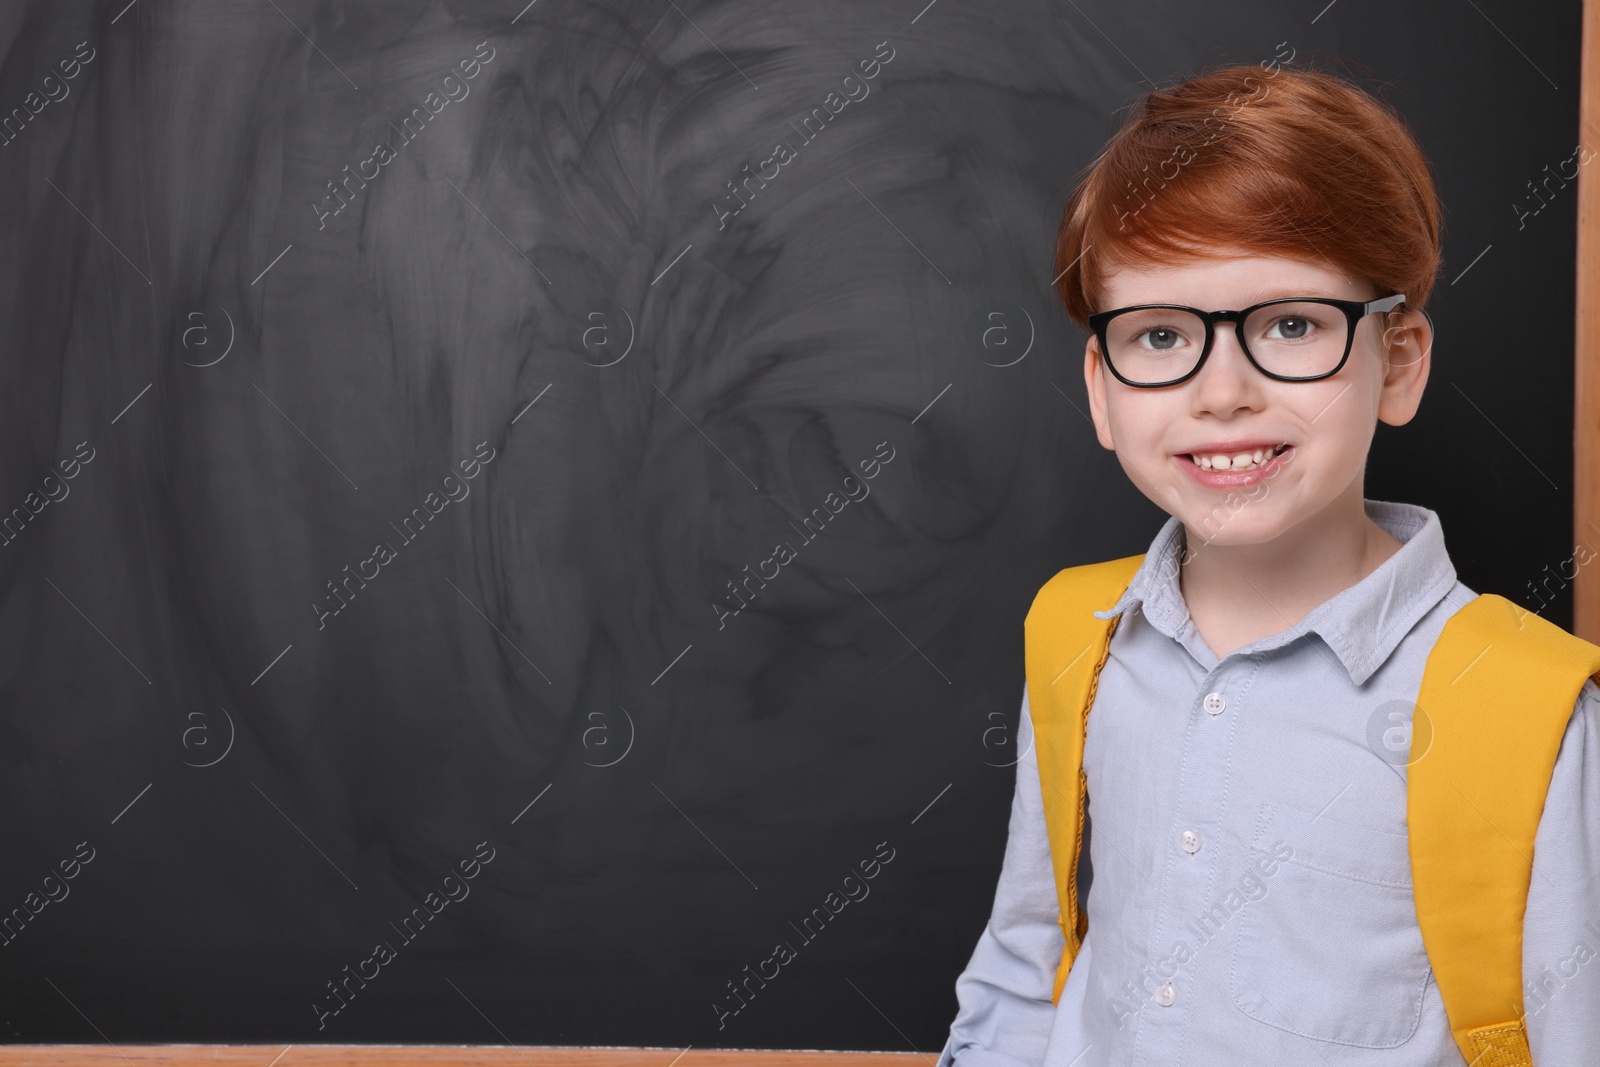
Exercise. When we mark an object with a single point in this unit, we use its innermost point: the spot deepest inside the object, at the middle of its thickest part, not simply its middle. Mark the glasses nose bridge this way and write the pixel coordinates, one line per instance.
(1213, 318)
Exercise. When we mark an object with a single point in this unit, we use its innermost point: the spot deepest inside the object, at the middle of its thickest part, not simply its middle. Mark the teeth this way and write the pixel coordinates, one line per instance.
(1240, 461)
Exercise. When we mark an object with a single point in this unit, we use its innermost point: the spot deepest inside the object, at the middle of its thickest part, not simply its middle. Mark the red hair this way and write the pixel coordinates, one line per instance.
(1290, 162)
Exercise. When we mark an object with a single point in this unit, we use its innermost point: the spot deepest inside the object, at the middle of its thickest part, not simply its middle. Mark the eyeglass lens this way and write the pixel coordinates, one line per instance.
(1293, 339)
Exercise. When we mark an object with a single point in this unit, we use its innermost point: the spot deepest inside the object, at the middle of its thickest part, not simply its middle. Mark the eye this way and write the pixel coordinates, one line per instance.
(1291, 328)
(1160, 338)
(1153, 333)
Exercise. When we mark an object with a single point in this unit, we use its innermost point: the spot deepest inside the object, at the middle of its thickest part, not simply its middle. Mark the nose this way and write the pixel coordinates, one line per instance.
(1227, 381)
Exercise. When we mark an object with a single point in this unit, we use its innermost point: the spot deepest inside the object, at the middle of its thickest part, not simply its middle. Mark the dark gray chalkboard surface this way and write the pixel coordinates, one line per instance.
(481, 580)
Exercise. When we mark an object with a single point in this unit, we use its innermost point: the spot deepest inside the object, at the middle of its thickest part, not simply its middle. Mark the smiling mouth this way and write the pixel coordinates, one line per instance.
(1239, 461)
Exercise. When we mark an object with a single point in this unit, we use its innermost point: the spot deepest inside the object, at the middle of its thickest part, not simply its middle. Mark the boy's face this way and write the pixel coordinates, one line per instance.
(1328, 424)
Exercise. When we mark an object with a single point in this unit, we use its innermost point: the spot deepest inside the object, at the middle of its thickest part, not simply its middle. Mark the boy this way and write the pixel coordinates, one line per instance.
(1246, 879)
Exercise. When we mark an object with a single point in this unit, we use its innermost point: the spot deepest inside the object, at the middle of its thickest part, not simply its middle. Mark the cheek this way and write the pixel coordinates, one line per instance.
(1341, 421)
(1137, 419)
(1138, 426)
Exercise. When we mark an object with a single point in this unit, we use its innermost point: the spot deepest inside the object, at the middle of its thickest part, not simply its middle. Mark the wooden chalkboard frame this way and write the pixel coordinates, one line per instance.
(1586, 415)
(1586, 624)
(435, 1056)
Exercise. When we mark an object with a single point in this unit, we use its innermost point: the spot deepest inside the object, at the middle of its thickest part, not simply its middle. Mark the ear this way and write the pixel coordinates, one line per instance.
(1094, 379)
(1407, 352)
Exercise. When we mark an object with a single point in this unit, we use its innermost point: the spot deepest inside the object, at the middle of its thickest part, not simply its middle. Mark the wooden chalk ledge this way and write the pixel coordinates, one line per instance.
(435, 1056)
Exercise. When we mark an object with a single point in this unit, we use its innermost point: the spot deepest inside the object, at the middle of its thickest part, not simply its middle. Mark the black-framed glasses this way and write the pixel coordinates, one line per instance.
(1294, 339)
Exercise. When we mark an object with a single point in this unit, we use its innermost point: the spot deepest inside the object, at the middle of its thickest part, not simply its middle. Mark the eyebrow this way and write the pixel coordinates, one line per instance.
(1282, 292)
(1261, 296)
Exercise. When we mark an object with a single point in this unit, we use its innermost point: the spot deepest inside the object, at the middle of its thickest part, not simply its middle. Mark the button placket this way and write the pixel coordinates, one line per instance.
(1197, 809)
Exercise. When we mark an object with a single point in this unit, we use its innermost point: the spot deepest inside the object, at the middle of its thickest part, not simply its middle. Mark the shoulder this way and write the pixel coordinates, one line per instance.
(1571, 812)
(1528, 634)
(1109, 570)
(1103, 581)
(1579, 754)
(1583, 728)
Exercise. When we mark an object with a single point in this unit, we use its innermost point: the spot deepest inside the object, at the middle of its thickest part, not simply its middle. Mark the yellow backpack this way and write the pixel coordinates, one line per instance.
(1470, 862)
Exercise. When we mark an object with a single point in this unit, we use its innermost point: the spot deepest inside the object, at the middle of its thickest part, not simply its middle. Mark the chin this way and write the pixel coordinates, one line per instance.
(1250, 525)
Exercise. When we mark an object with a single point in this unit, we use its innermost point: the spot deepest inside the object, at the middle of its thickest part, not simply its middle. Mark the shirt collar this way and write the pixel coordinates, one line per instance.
(1362, 625)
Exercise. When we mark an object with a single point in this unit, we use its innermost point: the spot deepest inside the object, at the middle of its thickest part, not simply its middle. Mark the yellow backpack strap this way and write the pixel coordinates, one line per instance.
(1497, 692)
(1065, 648)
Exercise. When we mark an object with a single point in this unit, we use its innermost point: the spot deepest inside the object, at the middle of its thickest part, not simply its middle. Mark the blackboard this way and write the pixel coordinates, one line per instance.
(480, 578)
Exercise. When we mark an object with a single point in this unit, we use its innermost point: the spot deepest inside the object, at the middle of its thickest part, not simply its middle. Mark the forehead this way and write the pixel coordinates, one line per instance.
(1230, 279)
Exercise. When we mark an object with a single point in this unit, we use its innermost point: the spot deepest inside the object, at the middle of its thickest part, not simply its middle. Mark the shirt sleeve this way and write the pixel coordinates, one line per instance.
(1561, 928)
(1005, 1012)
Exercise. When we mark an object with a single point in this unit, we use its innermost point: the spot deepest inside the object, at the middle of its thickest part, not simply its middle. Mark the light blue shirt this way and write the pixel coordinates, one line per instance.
(1249, 896)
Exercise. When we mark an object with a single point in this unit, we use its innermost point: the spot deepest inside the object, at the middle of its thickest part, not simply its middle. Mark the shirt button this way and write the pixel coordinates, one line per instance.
(1166, 993)
(1190, 841)
(1215, 703)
